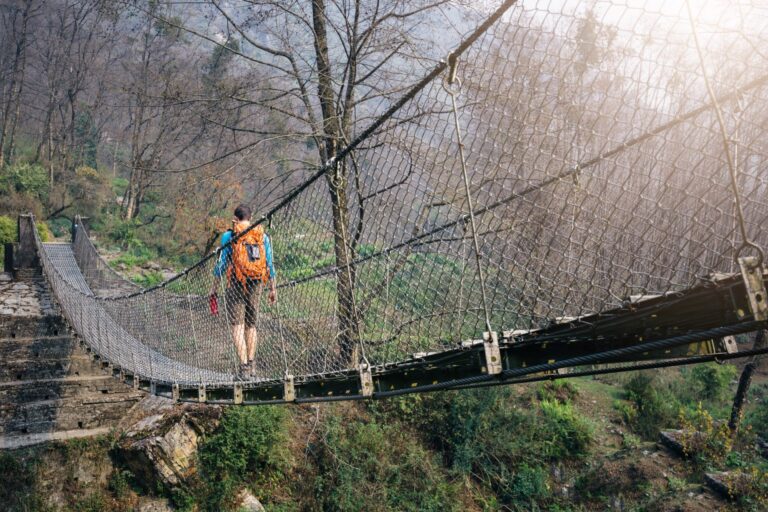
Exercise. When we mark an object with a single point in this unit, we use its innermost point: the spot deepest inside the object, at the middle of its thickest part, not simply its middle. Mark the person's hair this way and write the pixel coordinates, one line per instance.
(243, 212)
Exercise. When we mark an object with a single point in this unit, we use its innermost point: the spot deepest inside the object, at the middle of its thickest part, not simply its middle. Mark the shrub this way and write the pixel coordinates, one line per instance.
(556, 391)
(486, 435)
(705, 442)
(749, 488)
(119, 482)
(711, 381)
(569, 434)
(124, 233)
(24, 178)
(757, 419)
(651, 406)
(379, 467)
(43, 231)
(247, 446)
(17, 483)
(528, 485)
(8, 233)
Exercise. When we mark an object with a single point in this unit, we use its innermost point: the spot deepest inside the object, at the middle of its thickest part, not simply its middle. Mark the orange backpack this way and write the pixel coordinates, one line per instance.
(249, 260)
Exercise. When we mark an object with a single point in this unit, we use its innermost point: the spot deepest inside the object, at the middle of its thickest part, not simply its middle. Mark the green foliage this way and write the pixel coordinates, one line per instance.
(119, 185)
(248, 447)
(148, 279)
(711, 381)
(372, 466)
(704, 441)
(489, 434)
(17, 484)
(570, 435)
(301, 255)
(220, 58)
(757, 420)
(24, 178)
(556, 391)
(651, 406)
(119, 482)
(528, 485)
(8, 233)
(93, 502)
(43, 231)
(749, 488)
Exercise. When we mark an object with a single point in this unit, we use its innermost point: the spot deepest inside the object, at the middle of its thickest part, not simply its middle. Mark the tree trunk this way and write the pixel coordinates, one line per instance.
(744, 383)
(17, 109)
(337, 179)
(14, 79)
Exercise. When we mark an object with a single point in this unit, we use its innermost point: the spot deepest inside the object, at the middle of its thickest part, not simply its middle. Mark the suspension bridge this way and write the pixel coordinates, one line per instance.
(568, 192)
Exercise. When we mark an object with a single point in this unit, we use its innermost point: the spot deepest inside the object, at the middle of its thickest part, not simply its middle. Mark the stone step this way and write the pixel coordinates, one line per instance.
(31, 326)
(51, 347)
(65, 414)
(39, 368)
(27, 391)
(13, 442)
(28, 273)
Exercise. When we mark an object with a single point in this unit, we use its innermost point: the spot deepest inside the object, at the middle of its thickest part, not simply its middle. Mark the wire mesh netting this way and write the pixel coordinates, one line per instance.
(575, 161)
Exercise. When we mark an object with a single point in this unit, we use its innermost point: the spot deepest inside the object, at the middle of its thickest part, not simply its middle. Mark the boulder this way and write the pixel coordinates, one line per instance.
(154, 505)
(249, 502)
(163, 447)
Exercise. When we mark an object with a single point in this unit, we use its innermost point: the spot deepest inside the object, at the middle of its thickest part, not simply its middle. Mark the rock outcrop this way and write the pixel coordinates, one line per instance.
(163, 446)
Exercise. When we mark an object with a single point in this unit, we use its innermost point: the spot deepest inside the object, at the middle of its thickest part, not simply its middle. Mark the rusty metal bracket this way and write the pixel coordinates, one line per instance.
(727, 344)
(752, 273)
(366, 380)
(492, 353)
(289, 389)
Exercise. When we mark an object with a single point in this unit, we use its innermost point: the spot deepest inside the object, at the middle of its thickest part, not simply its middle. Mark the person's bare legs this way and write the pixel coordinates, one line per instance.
(238, 335)
(250, 341)
(251, 338)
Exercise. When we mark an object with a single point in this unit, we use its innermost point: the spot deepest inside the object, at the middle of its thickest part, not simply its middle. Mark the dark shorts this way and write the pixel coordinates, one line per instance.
(243, 302)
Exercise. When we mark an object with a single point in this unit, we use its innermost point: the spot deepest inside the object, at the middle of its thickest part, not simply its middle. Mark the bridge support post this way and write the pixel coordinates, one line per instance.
(201, 395)
(366, 380)
(175, 392)
(492, 353)
(238, 395)
(26, 256)
(289, 390)
(753, 282)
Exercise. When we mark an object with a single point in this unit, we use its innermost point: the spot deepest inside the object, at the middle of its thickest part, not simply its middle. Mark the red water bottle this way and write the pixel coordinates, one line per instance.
(213, 302)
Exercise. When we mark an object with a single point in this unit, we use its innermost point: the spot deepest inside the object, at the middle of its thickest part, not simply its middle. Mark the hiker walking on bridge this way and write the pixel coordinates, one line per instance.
(247, 263)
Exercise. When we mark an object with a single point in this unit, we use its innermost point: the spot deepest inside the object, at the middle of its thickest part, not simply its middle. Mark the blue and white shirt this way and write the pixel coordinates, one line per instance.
(226, 255)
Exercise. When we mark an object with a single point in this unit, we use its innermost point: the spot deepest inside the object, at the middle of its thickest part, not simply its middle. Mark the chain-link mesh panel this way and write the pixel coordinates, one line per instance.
(594, 166)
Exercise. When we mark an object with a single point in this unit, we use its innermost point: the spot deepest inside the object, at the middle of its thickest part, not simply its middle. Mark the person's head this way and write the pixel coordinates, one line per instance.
(242, 212)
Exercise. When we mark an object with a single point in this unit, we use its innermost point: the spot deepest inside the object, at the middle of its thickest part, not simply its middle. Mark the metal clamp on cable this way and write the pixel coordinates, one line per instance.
(752, 272)
(492, 353)
(366, 380)
(289, 389)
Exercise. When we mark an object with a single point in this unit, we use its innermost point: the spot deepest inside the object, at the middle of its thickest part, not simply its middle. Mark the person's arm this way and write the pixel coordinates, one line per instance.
(270, 269)
(223, 262)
